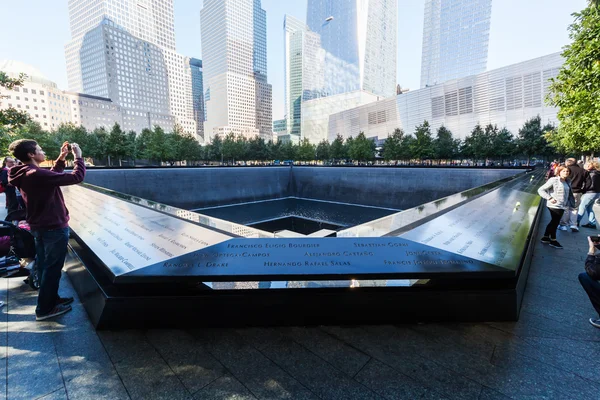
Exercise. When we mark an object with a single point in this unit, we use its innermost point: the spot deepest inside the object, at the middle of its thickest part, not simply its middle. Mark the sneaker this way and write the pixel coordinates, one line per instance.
(574, 228)
(64, 301)
(59, 309)
(563, 228)
(589, 226)
(546, 240)
(556, 245)
(595, 322)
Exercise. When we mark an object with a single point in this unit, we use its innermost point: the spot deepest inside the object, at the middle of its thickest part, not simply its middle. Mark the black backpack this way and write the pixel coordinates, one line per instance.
(22, 243)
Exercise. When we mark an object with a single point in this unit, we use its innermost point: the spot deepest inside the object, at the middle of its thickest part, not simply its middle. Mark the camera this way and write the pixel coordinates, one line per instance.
(595, 240)
(69, 148)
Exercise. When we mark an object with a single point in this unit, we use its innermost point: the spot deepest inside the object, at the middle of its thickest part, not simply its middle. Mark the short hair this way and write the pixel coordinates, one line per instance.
(21, 149)
(570, 161)
(560, 168)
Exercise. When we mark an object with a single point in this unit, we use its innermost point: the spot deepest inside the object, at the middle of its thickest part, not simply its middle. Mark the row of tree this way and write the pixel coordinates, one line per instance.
(115, 146)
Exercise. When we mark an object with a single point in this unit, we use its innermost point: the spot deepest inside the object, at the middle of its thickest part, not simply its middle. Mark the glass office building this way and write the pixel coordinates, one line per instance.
(455, 39)
(198, 94)
(359, 40)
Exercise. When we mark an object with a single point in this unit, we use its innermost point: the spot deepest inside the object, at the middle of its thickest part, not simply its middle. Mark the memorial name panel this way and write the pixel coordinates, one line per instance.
(127, 237)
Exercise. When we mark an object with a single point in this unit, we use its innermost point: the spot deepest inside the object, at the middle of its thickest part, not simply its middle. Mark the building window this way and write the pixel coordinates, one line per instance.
(33, 91)
(17, 97)
(16, 89)
(465, 100)
(25, 90)
(42, 92)
(451, 102)
(437, 107)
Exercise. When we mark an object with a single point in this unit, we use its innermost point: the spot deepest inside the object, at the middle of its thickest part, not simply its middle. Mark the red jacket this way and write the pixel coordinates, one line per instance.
(40, 189)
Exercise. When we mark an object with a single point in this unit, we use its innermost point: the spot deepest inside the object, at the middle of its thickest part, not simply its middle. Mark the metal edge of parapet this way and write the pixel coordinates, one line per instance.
(173, 212)
(485, 189)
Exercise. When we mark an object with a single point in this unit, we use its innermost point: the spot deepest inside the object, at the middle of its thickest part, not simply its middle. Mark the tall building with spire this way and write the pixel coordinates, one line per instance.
(125, 50)
(455, 39)
(238, 98)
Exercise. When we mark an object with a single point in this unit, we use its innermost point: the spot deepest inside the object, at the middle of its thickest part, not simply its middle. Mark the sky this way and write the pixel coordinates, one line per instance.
(35, 32)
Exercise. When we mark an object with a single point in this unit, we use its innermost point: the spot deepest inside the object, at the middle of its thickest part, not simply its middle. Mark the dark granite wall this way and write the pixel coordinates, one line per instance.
(381, 187)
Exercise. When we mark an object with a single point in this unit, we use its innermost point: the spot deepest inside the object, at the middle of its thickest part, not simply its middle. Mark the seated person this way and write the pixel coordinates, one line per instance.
(589, 279)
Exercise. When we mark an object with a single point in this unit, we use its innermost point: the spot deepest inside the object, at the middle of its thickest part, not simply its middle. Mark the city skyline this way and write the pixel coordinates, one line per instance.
(34, 43)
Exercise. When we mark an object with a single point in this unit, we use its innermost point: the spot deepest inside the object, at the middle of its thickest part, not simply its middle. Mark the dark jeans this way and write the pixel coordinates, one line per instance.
(556, 215)
(51, 250)
(592, 288)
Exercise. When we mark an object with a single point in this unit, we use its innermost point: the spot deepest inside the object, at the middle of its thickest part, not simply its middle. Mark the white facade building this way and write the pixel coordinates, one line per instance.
(125, 50)
(237, 96)
(455, 39)
(49, 106)
(506, 97)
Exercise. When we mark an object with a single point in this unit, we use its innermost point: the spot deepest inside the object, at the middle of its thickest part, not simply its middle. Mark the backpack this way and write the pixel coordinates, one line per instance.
(22, 242)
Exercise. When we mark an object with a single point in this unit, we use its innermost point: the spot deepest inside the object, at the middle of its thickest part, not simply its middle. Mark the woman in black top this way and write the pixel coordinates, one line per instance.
(591, 192)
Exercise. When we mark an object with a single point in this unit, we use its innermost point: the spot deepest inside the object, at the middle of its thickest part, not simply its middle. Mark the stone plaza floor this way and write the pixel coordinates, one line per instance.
(552, 352)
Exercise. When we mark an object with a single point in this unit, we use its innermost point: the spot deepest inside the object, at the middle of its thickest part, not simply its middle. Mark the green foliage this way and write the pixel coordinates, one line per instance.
(531, 140)
(503, 146)
(576, 89)
(422, 147)
(337, 149)
(361, 148)
(445, 147)
(323, 151)
(306, 151)
(11, 118)
(116, 144)
(392, 147)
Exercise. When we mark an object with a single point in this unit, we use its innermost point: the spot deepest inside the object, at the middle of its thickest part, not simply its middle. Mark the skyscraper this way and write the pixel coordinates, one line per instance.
(359, 39)
(234, 54)
(455, 39)
(295, 33)
(198, 94)
(125, 50)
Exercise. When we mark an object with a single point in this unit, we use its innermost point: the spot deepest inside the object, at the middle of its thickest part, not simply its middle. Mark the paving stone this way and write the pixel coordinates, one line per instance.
(85, 365)
(407, 358)
(490, 394)
(316, 374)
(33, 369)
(58, 395)
(122, 344)
(194, 366)
(147, 376)
(345, 358)
(224, 388)
(389, 383)
(259, 374)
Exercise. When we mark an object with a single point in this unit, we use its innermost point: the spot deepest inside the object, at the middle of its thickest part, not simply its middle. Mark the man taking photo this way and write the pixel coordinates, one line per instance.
(47, 216)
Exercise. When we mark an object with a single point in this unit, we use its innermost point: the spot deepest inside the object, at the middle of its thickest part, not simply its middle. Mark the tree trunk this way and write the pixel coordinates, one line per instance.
(109, 161)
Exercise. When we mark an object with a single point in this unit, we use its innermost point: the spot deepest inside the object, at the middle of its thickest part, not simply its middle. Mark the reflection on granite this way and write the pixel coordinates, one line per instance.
(492, 228)
(390, 223)
(315, 284)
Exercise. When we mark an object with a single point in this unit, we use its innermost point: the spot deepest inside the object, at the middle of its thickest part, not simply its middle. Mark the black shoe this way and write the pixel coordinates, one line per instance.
(556, 245)
(546, 240)
(589, 226)
(64, 301)
(56, 311)
(595, 322)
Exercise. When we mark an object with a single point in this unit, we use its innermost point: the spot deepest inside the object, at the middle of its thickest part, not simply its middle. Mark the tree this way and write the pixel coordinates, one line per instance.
(576, 89)
(476, 146)
(503, 145)
(323, 150)
(11, 118)
(337, 149)
(445, 147)
(116, 144)
(422, 147)
(361, 148)
(392, 147)
(98, 143)
(288, 151)
(306, 150)
(215, 149)
(531, 139)
(257, 149)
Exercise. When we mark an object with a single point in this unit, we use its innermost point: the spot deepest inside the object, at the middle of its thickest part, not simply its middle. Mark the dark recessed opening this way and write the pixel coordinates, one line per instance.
(294, 224)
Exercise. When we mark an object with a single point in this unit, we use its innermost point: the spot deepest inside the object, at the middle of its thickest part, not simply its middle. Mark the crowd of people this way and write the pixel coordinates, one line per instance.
(570, 192)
